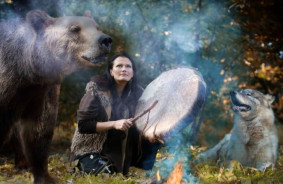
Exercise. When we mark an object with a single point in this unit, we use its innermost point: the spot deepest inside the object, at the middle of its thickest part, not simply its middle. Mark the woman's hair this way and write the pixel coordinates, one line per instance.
(132, 90)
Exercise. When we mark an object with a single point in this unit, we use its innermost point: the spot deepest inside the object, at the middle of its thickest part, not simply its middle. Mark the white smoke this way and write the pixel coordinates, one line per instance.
(184, 31)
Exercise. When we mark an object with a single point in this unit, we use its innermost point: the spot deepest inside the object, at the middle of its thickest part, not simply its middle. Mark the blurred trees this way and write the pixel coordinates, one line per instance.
(235, 44)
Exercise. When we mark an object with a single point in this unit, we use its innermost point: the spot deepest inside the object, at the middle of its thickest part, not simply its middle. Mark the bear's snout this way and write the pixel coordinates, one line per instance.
(105, 42)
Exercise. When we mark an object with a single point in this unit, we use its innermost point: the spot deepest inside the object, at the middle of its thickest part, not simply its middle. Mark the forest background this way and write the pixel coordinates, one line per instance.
(235, 44)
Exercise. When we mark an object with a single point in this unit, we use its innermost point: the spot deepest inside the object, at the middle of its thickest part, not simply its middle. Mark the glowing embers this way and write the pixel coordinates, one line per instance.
(158, 178)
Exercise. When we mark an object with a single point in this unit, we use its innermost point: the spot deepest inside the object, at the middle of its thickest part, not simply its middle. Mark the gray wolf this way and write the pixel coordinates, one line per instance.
(253, 140)
(36, 53)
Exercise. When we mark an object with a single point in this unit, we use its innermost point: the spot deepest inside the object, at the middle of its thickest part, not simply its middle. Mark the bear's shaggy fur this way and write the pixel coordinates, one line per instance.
(35, 55)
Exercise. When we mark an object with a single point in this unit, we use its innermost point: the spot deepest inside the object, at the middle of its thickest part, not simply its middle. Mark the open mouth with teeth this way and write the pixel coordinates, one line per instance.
(97, 59)
(238, 106)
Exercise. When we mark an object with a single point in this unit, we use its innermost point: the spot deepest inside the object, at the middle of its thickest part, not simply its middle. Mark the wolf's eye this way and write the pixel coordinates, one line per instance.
(248, 94)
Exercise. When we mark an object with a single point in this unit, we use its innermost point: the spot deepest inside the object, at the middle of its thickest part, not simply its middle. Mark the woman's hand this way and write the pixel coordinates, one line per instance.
(122, 124)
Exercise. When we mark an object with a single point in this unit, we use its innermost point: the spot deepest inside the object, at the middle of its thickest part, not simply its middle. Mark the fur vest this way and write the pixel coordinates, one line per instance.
(87, 143)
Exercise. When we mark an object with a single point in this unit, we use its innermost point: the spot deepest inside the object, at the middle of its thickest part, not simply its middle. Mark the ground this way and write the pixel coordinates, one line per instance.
(60, 167)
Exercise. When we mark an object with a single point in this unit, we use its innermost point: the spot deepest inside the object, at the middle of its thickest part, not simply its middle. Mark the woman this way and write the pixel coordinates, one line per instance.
(105, 133)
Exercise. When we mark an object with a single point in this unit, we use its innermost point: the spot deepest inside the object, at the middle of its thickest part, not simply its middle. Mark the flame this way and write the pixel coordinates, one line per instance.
(158, 176)
(176, 175)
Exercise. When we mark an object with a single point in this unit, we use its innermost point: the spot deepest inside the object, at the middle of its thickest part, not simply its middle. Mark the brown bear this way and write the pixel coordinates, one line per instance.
(36, 53)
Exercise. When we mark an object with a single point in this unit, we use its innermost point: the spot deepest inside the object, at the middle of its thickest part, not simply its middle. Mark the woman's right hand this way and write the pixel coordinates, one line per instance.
(122, 124)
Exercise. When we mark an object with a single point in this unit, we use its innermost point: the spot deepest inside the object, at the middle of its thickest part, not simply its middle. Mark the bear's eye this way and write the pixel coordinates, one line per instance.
(75, 29)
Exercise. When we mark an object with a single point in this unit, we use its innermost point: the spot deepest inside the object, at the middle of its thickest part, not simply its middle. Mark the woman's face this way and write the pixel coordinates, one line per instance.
(122, 70)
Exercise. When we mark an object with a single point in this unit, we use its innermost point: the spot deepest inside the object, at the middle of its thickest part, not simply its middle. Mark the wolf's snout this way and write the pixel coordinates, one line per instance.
(233, 93)
(105, 42)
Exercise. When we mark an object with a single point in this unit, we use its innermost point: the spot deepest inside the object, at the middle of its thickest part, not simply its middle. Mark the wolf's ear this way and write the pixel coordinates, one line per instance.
(39, 20)
(270, 99)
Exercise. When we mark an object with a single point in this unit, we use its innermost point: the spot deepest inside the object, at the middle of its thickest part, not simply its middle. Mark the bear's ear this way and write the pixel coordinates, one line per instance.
(39, 20)
(87, 13)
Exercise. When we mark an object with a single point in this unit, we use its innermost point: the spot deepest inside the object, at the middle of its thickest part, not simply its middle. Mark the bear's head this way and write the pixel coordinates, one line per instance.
(75, 42)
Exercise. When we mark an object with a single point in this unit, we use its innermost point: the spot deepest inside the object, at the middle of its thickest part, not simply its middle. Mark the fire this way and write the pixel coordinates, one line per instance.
(176, 175)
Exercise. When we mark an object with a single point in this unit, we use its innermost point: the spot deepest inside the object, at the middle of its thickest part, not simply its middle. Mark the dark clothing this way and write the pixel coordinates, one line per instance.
(119, 147)
(89, 112)
(148, 154)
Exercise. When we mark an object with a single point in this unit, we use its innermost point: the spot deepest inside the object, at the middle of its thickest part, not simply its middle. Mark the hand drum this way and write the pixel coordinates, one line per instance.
(180, 94)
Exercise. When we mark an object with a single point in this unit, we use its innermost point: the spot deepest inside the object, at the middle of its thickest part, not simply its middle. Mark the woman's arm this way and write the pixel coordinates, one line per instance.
(122, 124)
(91, 126)
(91, 116)
(91, 111)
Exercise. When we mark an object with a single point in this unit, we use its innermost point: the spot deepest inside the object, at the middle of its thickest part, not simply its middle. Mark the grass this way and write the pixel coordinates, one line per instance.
(61, 168)
(212, 173)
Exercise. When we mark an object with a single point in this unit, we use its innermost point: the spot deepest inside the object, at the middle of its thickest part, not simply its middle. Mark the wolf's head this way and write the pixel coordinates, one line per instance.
(249, 103)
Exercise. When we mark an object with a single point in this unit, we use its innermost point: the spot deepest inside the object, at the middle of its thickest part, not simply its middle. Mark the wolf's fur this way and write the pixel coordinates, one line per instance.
(253, 140)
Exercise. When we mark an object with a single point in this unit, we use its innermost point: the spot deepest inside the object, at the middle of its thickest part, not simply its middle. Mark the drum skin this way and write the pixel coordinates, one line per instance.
(180, 93)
